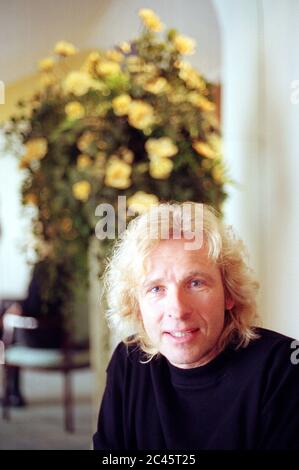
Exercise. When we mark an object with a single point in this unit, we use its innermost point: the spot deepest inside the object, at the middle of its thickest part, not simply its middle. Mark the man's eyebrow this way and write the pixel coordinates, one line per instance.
(150, 282)
(199, 273)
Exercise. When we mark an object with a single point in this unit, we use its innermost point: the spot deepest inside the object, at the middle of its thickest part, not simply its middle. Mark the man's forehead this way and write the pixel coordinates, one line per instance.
(179, 275)
(174, 248)
(166, 260)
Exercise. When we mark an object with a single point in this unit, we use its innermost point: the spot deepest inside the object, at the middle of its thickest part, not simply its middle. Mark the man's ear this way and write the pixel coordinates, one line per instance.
(229, 302)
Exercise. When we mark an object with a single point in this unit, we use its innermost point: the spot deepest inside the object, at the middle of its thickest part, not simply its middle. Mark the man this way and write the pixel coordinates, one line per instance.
(197, 373)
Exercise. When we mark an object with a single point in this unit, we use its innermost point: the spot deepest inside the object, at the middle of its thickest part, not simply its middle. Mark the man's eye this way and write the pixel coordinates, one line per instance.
(155, 289)
(196, 283)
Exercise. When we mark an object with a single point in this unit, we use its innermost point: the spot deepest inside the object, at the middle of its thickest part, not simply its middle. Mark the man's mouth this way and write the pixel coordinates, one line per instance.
(182, 333)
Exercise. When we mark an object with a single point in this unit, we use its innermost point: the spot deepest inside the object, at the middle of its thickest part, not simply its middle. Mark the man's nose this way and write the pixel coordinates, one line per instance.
(178, 305)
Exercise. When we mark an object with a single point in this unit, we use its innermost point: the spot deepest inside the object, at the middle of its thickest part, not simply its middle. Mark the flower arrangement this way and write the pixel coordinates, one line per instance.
(137, 121)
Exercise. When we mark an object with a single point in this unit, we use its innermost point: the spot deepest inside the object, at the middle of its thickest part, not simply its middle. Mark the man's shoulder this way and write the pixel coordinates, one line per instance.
(126, 354)
(270, 338)
(270, 349)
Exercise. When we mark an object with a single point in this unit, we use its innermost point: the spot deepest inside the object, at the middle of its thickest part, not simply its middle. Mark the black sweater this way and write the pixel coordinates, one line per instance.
(243, 399)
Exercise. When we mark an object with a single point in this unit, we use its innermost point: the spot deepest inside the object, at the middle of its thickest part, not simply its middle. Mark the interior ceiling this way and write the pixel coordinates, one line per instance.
(30, 28)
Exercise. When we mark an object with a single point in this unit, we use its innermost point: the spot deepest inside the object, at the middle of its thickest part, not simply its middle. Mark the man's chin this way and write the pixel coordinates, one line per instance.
(181, 359)
(185, 358)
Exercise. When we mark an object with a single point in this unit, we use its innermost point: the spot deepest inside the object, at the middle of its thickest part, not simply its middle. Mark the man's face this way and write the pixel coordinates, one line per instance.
(182, 303)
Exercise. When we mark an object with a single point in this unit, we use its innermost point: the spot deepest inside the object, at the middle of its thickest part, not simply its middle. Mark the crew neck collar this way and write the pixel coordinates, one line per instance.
(200, 375)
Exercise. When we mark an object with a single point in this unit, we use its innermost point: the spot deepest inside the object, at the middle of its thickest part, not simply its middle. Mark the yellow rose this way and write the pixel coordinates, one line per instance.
(183, 44)
(135, 64)
(114, 55)
(141, 79)
(66, 224)
(190, 76)
(65, 48)
(201, 102)
(215, 142)
(99, 165)
(47, 80)
(176, 97)
(202, 148)
(90, 62)
(23, 163)
(83, 161)
(74, 110)
(121, 104)
(102, 144)
(118, 174)
(81, 190)
(102, 108)
(78, 83)
(193, 80)
(108, 67)
(93, 57)
(85, 140)
(150, 20)
(151, 69)
(157, 86)
(100, 159)
(125, 47)
(160, 168)
(162, 147)
(46, 65)
(218, 174)
(31, 198)
(141, 202)
(36, 149)
(127, 155)
(141, 114)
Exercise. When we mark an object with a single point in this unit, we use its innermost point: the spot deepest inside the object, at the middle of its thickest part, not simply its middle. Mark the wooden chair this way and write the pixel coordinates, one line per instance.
(65, 359)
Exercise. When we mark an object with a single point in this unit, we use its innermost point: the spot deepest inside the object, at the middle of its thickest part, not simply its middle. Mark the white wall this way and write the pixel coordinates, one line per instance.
(29, 29)
(260, 124)
(281, 134)
(15, 239)
(241, 89)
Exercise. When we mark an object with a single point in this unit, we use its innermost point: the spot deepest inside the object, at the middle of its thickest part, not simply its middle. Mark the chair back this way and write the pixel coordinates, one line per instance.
(43, 332)
(12, 321)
